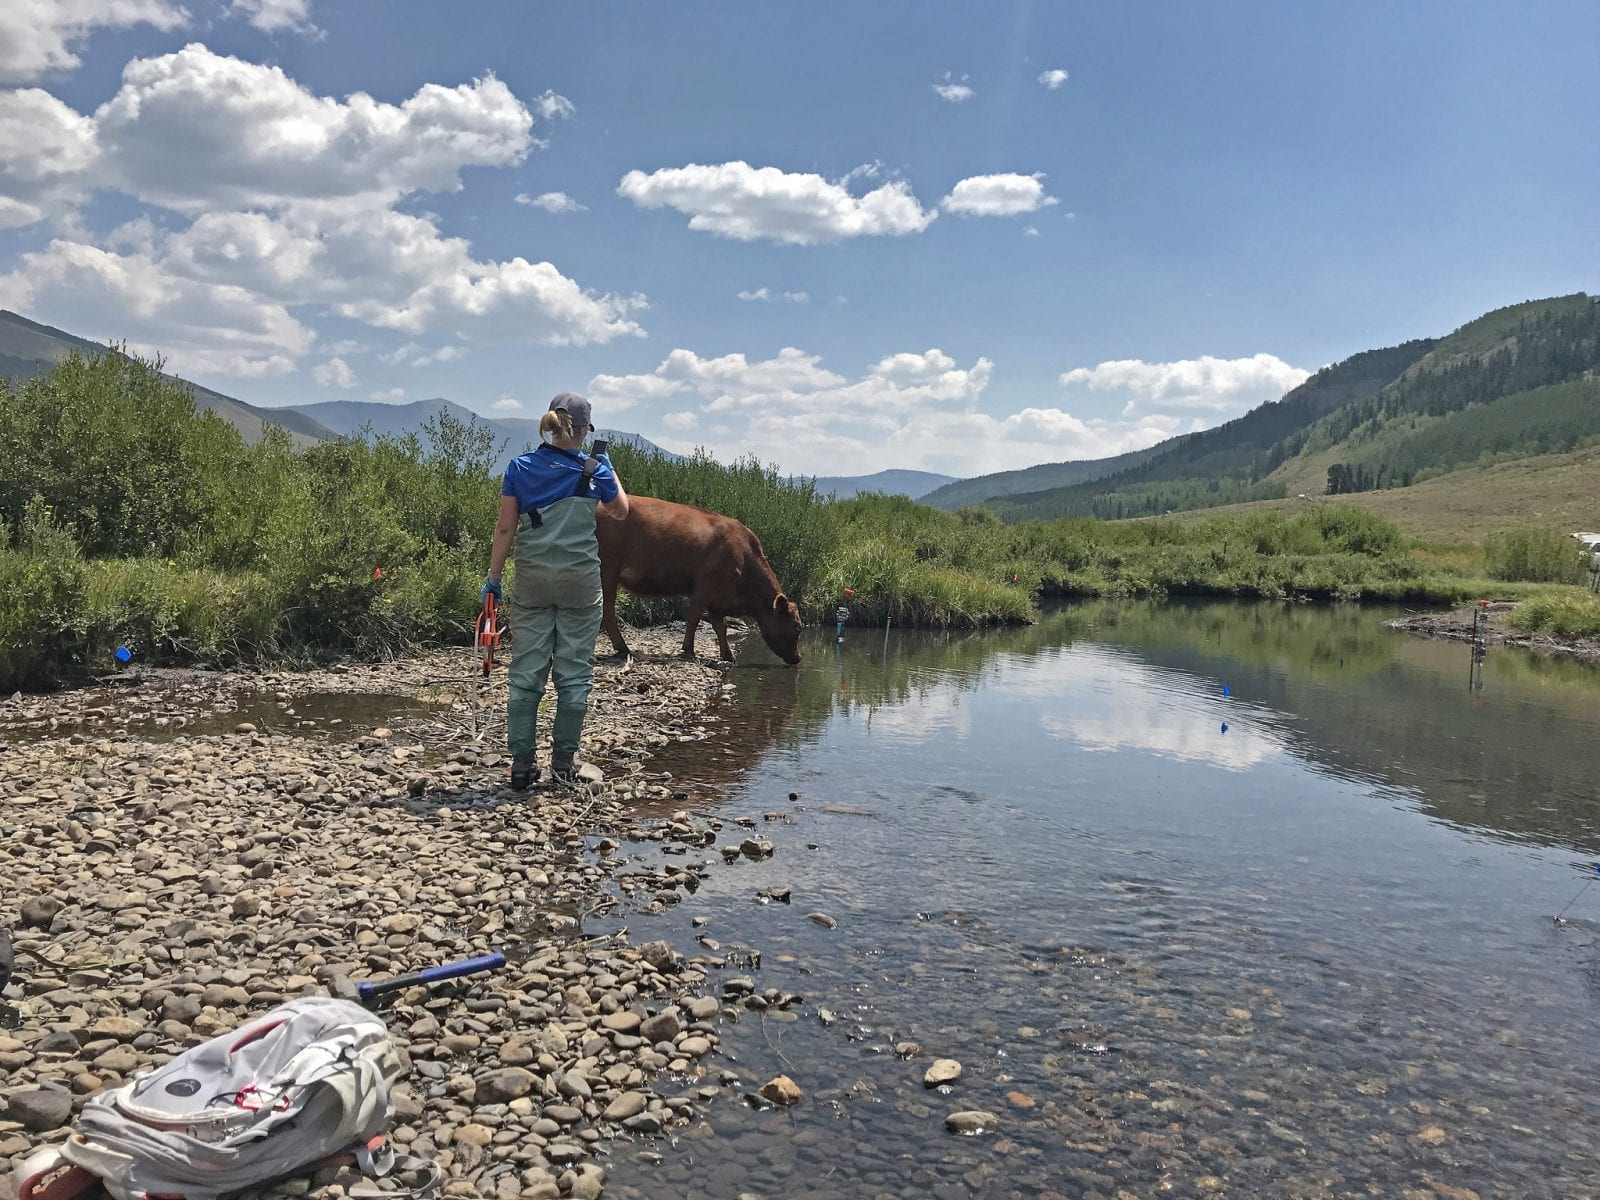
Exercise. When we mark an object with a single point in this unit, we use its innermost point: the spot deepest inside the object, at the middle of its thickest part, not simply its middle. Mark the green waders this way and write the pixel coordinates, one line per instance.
(555, 618)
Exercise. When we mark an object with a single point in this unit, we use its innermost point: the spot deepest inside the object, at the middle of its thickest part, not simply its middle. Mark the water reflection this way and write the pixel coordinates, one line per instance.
(1311, 955)
(1330, 686)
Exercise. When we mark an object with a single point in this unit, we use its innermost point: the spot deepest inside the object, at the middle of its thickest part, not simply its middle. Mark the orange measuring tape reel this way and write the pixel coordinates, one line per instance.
(488, 635)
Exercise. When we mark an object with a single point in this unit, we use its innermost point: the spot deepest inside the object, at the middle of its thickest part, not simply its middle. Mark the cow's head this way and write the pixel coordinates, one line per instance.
(780, 628)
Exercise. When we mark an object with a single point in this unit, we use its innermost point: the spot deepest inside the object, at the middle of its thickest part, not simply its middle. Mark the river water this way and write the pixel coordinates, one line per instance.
(1206, 899)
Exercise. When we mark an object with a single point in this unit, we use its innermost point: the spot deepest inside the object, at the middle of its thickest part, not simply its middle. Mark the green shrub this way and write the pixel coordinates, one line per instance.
(1534, 556)
(1562, 614)
(41, 583)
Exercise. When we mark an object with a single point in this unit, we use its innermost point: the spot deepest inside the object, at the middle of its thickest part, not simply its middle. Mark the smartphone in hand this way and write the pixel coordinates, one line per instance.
(601, 445)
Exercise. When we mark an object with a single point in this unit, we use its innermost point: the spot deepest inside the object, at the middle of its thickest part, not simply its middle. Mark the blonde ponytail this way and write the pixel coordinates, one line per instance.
(555, 422)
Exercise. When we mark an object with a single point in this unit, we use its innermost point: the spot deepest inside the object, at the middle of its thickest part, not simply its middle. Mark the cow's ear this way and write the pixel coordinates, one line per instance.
(779, 601)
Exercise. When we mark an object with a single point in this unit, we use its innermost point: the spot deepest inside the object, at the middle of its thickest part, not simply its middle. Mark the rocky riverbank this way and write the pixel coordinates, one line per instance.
(1457, 626)
(172, 869)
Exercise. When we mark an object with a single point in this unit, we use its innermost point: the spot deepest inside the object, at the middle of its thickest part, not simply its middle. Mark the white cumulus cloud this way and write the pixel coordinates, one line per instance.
(46, 154)
(551, 202)
(926, 405)
(37, 36)
(736, 200)
(270, 16)
(334, 373)
(1005, 195)
(388, 396)
(290, 203)
(1203, 385)
(197, 326)
(955, 93)
(507, 404)
(760, 293)
(1053, 78)
(195, 130)
(397, 271)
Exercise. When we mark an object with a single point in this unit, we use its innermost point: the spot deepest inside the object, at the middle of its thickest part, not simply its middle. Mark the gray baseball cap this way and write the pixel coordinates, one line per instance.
(574, 406)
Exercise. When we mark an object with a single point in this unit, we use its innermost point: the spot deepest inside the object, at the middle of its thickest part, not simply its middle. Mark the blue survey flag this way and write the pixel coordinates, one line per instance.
(124, 654)
(1225, 690)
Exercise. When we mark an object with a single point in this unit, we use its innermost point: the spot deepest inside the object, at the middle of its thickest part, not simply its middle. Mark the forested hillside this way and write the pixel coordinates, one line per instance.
(963, 492)
(1229, 463)
(1516, 382)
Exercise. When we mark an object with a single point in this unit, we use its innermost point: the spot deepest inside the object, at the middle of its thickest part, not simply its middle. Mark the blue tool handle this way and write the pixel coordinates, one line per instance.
(467, 966)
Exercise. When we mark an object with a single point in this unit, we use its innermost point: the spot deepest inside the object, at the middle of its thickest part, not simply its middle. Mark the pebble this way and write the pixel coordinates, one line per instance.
(781, 1090)
(972, 1121)
(941, 1071)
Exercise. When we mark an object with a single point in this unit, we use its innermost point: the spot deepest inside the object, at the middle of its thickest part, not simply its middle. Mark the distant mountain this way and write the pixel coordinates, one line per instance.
(1038, 478)
(28, 349)
(349, 417)
(913, 484)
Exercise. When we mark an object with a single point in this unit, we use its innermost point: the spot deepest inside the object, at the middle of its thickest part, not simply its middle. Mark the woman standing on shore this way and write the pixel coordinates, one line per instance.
(548, 502)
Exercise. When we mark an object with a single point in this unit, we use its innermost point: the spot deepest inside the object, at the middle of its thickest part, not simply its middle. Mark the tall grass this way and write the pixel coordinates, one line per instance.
(1534, 555)
(1562, 614)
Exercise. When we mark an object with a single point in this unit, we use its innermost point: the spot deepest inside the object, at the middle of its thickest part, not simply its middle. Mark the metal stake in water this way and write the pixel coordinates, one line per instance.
(1581, 891)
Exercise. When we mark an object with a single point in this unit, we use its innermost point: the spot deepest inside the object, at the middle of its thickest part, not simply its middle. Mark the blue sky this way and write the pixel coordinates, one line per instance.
(841, 237)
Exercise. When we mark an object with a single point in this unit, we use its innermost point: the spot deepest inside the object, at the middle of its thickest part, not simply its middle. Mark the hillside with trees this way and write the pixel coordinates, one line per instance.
(1516, 382)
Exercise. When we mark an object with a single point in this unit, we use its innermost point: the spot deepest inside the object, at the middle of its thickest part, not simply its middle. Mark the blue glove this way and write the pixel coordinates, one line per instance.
(606, 458)
(491, 587)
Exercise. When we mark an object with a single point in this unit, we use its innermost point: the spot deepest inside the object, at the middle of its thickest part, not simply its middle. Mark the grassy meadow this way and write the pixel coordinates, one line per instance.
(127, 518)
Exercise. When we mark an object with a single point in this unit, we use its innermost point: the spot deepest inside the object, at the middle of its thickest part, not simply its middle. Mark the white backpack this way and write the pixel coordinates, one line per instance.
(305, 1086)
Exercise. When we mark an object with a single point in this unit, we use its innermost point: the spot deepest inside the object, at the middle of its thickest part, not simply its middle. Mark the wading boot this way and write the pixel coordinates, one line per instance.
(524, 772)
(563, 769)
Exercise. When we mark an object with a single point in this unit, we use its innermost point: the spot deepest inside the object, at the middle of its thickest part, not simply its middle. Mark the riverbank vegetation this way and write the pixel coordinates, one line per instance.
(129, 519)
(1563, 614)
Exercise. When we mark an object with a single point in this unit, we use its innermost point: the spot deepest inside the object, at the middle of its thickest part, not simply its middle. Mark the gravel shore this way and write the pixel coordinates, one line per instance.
(172, 869)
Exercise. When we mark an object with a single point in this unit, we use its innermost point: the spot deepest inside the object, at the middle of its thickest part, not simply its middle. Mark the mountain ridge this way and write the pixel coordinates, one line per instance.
(29, 348)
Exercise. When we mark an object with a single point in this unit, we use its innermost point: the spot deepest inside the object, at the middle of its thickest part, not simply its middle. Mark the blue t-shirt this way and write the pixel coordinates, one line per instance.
(545, 474)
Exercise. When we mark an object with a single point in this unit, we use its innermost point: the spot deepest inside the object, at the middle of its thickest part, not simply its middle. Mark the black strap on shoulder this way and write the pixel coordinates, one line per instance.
(585, 477)
(591, 464)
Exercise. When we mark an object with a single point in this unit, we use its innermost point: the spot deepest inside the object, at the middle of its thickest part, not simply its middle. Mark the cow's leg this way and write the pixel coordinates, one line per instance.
(608, 586)
(720, 624)
(697, 610)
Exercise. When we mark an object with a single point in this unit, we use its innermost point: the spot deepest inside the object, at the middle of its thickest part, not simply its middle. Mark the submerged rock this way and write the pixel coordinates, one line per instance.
(971, 1122)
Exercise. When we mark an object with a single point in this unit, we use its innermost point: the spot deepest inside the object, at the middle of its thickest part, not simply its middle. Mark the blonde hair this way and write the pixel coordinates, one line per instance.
(556, 421)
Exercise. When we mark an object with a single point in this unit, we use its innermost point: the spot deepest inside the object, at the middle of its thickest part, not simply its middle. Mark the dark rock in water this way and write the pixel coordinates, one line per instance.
(755, 847)
(41, 1109)
(823, 919)
(645, 1122)
(7, 958)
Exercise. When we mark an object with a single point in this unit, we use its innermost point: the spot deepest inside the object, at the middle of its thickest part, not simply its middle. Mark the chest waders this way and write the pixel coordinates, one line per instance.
(555, 617)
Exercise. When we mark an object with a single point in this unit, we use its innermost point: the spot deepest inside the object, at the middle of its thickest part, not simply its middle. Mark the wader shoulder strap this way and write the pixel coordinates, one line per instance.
(590, 466)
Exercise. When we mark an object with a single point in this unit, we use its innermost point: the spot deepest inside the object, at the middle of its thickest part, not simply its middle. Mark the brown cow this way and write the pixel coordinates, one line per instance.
(666, 549)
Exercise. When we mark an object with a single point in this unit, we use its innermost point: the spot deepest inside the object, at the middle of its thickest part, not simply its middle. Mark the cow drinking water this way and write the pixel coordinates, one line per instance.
(666, 549)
